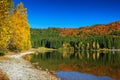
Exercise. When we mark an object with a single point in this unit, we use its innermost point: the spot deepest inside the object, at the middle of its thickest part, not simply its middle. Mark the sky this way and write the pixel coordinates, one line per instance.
(70, 13)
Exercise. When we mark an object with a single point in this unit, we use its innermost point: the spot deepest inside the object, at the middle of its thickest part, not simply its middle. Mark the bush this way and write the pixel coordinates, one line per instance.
(2, 53)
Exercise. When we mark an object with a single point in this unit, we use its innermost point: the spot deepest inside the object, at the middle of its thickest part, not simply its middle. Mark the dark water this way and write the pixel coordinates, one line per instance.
(52, 60)
(80, 76)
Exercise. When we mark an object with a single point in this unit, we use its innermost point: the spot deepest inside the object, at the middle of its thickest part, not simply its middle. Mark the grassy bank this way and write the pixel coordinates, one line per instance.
(42, 49)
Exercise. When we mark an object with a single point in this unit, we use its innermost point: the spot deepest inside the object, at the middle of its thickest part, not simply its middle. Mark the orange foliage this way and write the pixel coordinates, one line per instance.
(96, 29)
(69, 31)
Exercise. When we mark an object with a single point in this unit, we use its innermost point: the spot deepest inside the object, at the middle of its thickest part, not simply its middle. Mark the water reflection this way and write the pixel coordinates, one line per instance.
(80, 76)
(99, 57)
(54, 60)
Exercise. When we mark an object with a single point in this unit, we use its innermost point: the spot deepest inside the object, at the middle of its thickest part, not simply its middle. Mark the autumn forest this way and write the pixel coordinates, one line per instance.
(103, 36)
(89, 49)
(16, 35)
(14, 27)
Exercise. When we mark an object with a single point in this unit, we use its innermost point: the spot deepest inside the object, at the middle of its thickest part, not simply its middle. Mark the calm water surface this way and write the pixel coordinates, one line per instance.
(80, 76)
(52, 60)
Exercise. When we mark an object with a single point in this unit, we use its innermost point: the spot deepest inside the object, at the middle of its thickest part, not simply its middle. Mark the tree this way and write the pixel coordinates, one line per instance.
(97, 45)
(88, 46)
(94, 45)
(5, 23)
(20, 39)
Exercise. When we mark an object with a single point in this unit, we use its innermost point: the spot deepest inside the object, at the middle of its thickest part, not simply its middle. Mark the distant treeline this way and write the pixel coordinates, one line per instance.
(52, 38)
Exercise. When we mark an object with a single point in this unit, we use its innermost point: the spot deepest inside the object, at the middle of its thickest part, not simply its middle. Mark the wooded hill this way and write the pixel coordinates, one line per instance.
(100, 29)
(89, 37)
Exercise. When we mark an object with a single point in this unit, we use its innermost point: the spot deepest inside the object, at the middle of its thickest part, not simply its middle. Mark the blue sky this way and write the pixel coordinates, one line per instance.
(70, 13)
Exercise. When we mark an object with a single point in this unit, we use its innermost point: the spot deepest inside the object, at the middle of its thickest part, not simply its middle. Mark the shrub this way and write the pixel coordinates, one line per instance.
(2, 53)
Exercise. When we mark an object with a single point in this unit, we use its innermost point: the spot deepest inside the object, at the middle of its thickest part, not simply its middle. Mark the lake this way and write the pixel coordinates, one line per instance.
(80, 65)
(80, 76)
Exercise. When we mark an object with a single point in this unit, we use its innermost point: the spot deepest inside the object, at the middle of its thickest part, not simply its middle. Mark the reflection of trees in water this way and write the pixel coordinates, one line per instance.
(97, 57)
(67, 54)
(94, 55)
(98, 54)
(78, 55)
(88, 54)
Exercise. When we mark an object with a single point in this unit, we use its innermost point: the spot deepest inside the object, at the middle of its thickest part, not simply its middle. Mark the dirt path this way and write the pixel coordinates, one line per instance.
(19, 69)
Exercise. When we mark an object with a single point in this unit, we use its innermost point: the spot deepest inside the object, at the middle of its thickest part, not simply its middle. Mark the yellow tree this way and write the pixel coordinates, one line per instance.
(94, 45)
(98, 46)
(88, 46)
(5, 23)
(20, 39)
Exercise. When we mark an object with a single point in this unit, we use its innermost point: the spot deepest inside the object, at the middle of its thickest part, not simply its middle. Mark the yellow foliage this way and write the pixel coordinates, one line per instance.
(14, 28)
(98, 46)
(21, 33)
(94, 46)
(88, 45)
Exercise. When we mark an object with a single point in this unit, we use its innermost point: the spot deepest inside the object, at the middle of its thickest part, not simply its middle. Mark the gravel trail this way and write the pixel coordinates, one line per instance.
(19, 69)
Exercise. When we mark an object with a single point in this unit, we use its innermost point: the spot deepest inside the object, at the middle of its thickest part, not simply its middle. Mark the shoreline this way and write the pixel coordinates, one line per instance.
(110, 49)
(19, 69)
(87, 69)
(20, 56)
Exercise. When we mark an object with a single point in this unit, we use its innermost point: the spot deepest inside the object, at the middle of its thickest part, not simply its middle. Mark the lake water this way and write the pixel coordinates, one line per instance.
(80, 76)
(80, 61)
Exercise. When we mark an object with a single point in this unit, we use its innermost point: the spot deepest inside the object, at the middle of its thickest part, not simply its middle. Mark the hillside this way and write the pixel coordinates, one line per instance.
(104, 35)
(101, 29)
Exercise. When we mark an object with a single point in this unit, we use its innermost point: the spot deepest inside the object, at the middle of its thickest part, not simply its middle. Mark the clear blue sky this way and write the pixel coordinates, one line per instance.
(70, 13)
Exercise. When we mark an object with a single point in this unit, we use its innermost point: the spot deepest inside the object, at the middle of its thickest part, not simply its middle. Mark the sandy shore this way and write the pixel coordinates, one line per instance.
(19, 69)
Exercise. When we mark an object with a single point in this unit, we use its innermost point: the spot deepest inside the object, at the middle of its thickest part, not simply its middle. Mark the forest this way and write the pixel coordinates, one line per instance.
(88, 49)
(102, 36)
(14, 27)
(16, 35)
